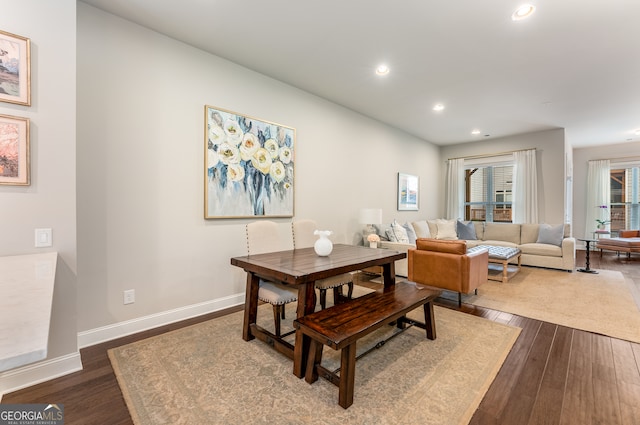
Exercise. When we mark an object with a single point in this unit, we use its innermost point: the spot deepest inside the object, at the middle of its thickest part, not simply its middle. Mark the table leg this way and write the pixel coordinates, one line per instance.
(389, 274)
(587, 268)
(250, 305)
(306, 305)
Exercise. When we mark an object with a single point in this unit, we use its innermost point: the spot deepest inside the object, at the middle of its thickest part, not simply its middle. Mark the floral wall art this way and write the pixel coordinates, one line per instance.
(249, 166)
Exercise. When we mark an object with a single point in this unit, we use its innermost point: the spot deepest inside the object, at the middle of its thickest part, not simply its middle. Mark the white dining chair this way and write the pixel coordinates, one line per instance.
(263, 237)
(303, 237)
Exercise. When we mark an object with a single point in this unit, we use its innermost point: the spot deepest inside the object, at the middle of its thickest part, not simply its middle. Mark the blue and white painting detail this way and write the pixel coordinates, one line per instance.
(250, 166)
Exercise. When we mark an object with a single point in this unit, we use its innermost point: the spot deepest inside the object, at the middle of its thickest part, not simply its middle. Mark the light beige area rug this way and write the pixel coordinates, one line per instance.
(602, 303)
(206, 374)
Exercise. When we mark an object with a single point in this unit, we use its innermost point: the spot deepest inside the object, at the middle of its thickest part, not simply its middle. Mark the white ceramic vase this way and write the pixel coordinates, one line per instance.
(323, 245)
(373, 244)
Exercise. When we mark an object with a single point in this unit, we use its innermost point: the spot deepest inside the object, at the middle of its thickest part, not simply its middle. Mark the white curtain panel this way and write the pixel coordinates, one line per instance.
(525, 187)
(598, 193)
(455, 189)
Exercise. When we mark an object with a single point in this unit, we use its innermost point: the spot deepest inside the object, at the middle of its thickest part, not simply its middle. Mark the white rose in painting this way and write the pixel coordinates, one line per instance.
(272, 147)
(277, 171)
(285, 155)
(261, 160)
(217, 135)
(249, 146)
(229, 154)
(233, 131)
(212, 158)
(235, 173)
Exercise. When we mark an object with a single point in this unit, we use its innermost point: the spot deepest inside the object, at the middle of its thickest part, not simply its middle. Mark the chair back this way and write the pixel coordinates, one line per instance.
(302, 231)
(264, 236)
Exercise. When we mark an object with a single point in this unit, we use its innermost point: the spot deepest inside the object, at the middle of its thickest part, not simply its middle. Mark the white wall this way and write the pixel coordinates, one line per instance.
(50, 200)
(140, 140)
(581, 158)
(550, 156)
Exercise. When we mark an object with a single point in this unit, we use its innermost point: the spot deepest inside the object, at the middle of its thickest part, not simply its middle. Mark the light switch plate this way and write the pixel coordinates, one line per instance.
(43, 238)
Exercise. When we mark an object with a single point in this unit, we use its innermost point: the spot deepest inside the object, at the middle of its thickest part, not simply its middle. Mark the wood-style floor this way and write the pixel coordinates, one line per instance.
(553, 375)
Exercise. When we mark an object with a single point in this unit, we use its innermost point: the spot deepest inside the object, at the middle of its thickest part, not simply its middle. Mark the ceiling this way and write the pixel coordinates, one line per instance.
(572, 64)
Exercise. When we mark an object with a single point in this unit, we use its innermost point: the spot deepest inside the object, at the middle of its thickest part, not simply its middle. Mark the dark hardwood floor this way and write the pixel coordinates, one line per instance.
(553, 375)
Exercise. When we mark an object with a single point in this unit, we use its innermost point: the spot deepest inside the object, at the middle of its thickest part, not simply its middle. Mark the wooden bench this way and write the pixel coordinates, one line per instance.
(342, 325)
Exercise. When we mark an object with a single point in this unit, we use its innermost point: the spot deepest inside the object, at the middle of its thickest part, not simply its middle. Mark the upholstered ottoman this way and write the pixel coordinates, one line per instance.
(627, 245)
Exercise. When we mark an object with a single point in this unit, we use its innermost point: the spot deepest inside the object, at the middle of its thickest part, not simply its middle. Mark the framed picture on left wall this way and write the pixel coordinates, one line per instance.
(14, 150)
(249, 166)
(15, 69)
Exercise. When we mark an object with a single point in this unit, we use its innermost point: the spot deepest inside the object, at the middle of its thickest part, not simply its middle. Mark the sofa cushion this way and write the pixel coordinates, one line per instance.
(466, 231)
(529, 233)
(479, 225)
(452, 247)
(543, 249)
(506, 232)
(421, 228)
(551, 235)
(443, 229)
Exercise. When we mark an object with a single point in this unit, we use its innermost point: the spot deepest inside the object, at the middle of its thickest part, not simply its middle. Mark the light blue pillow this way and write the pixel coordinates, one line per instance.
(551, 235)
(466, 231)
(411, 234)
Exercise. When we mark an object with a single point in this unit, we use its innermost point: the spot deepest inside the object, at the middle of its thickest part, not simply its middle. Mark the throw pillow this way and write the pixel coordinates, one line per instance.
(446, 229)
(466, 231)
(382, 232)
(421, 228)
(399, 232)
(551, 235)
(410, 233)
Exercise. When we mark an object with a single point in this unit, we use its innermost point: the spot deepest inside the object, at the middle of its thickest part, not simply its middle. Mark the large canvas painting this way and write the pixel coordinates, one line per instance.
(249, 166)
(15, 69)
(14, 150)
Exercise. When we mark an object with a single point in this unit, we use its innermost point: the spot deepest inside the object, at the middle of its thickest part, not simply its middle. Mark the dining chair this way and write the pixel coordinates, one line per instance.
(262, 237)
(303, 237)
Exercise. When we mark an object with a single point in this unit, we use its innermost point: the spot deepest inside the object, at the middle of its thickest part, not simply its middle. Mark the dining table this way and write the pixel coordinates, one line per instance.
(300, 268)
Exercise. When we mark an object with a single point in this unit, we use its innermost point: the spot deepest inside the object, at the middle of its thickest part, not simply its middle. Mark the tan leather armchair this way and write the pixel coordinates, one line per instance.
(447, 265)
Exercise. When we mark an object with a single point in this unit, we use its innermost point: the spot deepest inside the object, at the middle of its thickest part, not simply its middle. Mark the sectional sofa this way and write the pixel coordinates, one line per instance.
(542, 245)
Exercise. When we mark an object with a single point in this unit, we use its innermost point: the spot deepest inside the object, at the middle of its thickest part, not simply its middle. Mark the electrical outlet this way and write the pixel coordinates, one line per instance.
(43, 238)
(129, 296)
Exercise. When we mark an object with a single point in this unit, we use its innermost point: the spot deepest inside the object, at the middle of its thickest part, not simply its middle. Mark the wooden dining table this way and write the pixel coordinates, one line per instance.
(301, 268)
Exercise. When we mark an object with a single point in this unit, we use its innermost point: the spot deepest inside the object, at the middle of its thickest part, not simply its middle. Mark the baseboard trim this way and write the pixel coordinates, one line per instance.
(26, 376)
(118, 330)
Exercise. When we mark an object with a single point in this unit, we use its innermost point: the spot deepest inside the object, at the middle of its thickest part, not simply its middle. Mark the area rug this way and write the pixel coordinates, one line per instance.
(206, 374)
(602, 303)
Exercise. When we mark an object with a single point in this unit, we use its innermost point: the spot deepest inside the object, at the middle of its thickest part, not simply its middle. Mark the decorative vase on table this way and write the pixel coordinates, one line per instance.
(373, 244)
(323, 245)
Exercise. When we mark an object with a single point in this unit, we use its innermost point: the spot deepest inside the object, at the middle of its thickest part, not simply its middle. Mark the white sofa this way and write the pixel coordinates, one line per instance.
(523, 236)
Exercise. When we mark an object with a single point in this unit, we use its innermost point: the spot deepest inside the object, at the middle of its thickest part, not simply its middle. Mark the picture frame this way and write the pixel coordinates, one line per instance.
(408, 192)
(15, 159)
(249, 166)
(15, 69)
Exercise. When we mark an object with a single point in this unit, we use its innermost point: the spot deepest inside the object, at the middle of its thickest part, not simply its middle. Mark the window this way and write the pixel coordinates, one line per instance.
(488, 193)
(625, 192)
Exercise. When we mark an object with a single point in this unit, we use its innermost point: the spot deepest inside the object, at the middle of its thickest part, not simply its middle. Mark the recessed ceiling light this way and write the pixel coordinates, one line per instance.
(475, 132)
(523, 12)
(438, 107)
(637, 132)
(382, 70)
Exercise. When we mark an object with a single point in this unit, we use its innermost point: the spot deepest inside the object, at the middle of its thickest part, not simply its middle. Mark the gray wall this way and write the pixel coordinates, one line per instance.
(581, 158)
(550, 156)
(50, 200)
(141, 100)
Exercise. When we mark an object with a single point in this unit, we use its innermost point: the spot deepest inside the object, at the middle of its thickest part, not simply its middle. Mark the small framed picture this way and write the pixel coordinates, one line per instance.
(15, 69)
(407, 192)
(14, 150)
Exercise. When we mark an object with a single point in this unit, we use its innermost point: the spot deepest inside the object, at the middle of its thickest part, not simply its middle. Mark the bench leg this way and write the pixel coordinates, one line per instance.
(429, 321)
(347, 375)
(315, 358)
